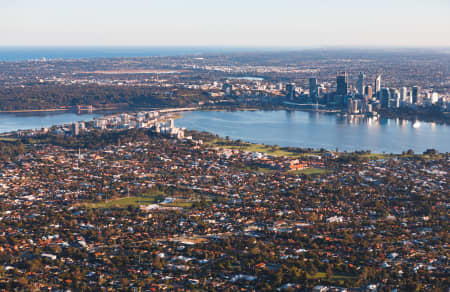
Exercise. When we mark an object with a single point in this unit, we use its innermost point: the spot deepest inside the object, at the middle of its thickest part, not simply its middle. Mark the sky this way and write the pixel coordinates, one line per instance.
(243, 23)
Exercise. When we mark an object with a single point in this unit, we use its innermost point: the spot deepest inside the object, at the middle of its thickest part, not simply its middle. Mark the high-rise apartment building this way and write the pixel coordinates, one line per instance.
(341, 84)
(290, 91)
(368, 91)
(385, 98)
(313, 88)
(415, 93)
(360, 84)
(404, 94)
(75, 129)
(378, 84)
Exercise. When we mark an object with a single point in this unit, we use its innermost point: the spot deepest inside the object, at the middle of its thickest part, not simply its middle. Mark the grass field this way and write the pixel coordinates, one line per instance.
(181, 204)
(120, 203)
(136, 201)
(321, 275)
(310, 171)
(375, 155)
(278, 152)
(251, 147)
(6, 139)
(317, 275)
(307, 171)
(258, 169)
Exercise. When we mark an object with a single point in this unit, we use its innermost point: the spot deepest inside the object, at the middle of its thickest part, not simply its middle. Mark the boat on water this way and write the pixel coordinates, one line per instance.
(416, 124)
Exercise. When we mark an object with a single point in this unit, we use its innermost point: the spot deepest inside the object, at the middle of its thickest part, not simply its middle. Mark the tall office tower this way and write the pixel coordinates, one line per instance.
(360, 84)
(82, 126)
(290, 91)
(125, 118)
(378, 84)
(397, 98)
(313, 88)
(404, 94)
(409, 99)
(353, 106)
(75, 129)
(341, 81)
(392, 91)
(321, 90)
(434, 97)
(385, 98)
(368, 92)
(415, 93)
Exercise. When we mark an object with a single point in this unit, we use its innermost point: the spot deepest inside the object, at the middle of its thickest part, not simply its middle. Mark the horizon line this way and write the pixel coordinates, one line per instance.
(234, 46)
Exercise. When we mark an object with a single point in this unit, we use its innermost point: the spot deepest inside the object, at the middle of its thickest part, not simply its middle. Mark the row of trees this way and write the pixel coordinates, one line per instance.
(10, 150)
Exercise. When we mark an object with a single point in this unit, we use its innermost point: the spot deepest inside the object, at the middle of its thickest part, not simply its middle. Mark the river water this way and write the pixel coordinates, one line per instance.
(283, 128)
(319, 130)
(36, 120)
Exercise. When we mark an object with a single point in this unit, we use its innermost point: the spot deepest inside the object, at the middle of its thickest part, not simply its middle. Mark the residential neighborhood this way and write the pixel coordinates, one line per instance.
(133, 209)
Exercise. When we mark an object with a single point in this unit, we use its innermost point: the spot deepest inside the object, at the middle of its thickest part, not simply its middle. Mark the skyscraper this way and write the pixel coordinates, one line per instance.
(385, 98)
(353, 106)
(404, 94)
(415, 93)
(360, 84)
(396, 97)
(341, 81)
(290, 91)
(368, 91)
(378, 84)
(75, 129)
(313, 88)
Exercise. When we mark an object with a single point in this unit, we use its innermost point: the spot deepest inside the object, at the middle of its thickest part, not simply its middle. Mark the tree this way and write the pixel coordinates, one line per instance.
(157, 263)
(329, 272)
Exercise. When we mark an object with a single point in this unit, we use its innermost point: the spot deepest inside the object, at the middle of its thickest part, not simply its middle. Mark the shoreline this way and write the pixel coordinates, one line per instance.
(333, 112)
(60, 110)
(37, 110)
(176, 113)
(121, 107)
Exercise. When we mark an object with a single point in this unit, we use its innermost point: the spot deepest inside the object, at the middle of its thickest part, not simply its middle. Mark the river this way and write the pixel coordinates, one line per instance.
(36, 120)
(283, 128)
(320, 130)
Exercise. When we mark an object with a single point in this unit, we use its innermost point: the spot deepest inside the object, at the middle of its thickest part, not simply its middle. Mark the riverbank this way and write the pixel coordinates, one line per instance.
(443, 118)
(407, 115)
(289, 128)
(286, 128)
(38, 110)
(65, 109)
(294, 152)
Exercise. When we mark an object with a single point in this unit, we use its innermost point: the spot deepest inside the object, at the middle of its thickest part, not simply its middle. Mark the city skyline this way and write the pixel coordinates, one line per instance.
(287, 23)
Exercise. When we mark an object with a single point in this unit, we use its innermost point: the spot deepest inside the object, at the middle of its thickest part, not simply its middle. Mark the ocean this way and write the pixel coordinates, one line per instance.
(49, 53)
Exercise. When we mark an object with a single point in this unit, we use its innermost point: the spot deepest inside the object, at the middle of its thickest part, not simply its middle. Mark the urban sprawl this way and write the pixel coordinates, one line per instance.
(130, 202)
(412, 86)
(136, 209)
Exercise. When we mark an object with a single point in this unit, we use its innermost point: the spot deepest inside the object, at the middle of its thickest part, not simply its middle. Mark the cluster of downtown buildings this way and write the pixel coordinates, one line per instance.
(159, 122)
(364, 98)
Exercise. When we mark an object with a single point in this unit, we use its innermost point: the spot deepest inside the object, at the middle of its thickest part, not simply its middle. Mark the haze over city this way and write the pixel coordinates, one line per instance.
(254, 23)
